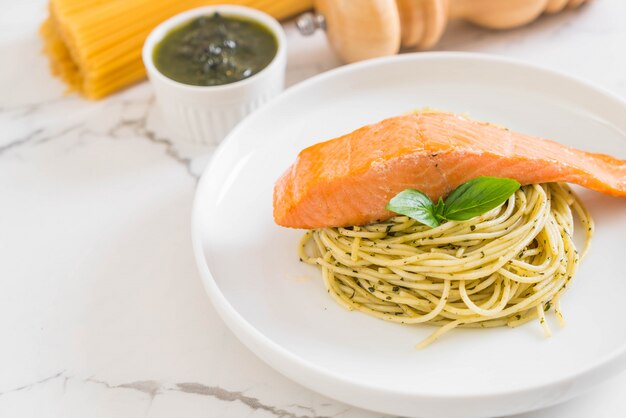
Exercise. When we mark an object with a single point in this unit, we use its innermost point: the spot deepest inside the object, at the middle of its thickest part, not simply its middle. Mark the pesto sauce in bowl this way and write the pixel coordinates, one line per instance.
(215, 50)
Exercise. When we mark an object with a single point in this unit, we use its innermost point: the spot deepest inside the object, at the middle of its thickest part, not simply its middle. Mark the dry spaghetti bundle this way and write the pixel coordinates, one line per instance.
(95, 45)
(505, 267)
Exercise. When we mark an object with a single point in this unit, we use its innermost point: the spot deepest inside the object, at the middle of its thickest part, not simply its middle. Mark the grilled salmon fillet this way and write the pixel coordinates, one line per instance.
(350, 179)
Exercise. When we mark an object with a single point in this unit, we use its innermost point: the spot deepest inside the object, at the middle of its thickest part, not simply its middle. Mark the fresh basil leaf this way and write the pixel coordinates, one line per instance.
(439, 208)
(478, 196)
(416, 205)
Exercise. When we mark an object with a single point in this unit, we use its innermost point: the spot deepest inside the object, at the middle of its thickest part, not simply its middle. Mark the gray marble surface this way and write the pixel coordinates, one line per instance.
(102, 313)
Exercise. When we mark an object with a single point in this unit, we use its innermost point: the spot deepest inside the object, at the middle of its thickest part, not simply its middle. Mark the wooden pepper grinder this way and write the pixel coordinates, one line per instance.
(362, 29)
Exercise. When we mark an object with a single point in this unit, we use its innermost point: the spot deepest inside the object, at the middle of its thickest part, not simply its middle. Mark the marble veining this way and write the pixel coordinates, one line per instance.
(33, 384)
(153, 388)
(102, 312)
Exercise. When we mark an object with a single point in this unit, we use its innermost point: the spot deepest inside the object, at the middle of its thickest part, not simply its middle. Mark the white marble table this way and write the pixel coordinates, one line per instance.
(102, 313)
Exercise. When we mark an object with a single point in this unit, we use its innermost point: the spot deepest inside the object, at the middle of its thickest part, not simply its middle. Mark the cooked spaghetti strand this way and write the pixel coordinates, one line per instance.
(505, 267)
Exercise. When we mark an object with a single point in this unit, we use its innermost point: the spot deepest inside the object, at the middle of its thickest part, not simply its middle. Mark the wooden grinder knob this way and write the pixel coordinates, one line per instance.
(362, 29)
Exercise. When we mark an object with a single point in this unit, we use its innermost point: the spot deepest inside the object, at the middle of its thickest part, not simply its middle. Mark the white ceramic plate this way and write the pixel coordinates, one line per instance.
(278, 307)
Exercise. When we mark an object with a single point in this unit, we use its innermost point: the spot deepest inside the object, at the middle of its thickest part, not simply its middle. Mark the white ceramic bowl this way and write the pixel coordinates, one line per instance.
(279, 308)
(205, 114)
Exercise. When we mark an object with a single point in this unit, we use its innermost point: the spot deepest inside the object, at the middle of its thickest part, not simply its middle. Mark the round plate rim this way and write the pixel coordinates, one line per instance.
(248, 333)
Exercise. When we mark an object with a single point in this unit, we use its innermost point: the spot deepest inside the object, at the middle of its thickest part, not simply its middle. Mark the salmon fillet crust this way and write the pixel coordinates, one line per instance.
(350, 179)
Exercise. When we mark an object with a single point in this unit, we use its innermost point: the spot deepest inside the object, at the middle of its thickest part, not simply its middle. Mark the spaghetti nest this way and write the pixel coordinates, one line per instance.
(505, 267)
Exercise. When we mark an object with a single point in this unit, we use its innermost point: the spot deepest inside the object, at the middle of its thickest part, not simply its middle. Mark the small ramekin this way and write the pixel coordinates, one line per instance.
(205, 114)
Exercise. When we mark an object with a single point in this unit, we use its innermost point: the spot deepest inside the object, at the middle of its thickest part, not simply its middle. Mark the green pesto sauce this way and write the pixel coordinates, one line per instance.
(215, 50)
